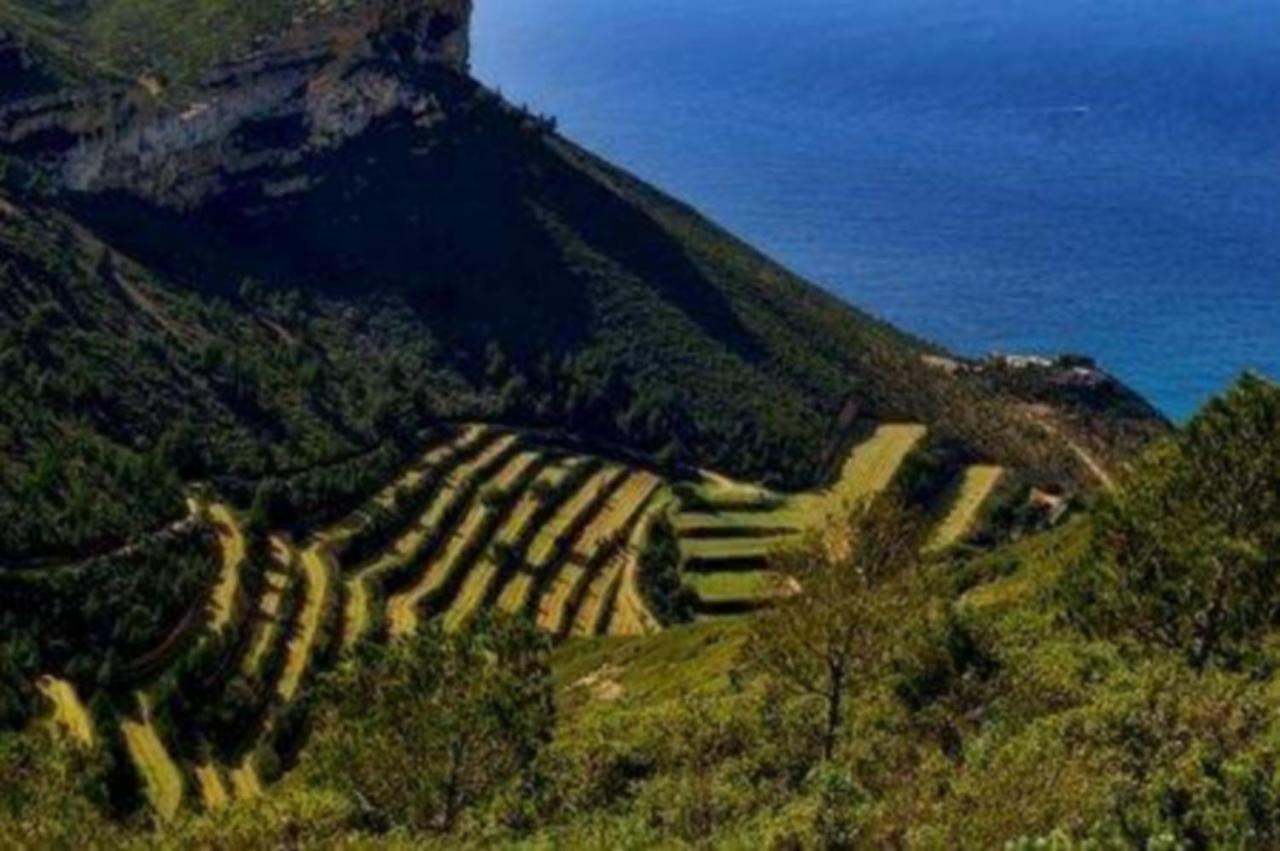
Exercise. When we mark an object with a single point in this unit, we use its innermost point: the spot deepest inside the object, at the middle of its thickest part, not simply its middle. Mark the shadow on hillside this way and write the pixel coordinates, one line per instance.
(452, 220)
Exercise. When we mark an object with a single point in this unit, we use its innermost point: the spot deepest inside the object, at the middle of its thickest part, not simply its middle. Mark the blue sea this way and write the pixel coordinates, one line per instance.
(1098, 176)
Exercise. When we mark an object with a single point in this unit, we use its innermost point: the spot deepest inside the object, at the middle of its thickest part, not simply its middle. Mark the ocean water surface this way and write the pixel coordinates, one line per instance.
(1100, 176)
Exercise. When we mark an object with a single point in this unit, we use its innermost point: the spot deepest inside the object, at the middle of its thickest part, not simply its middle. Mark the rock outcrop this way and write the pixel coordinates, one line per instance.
(253, 118)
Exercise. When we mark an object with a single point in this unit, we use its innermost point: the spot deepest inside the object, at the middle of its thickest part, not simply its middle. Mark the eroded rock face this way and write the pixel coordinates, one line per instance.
(248, 120)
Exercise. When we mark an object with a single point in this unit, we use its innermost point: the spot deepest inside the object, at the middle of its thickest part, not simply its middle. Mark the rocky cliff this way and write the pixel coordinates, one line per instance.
(311, 88)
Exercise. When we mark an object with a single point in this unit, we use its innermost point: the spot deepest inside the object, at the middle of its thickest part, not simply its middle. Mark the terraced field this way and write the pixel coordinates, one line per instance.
(613, 604)
(729, 528)
(869, 469)
(975, 489)
(266, 626)
(735, 593)
(603, 541)
(715, 552)
(519, 595)
(763, 522)
(484, 518)
(460, 453)
(441, 516)
(403, 609)
(485, 580)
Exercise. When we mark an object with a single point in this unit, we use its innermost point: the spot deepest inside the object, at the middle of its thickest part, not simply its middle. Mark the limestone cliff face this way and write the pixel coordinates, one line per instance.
(247, 120)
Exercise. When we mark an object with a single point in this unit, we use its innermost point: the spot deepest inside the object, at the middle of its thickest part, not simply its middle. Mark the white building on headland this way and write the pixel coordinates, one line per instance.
(1021, 361)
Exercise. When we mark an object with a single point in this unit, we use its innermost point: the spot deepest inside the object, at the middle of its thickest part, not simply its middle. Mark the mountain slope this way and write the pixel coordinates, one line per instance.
(281, 253)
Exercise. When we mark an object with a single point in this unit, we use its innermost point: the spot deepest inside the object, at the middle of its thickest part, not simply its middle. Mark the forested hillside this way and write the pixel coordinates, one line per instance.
(1110, 684)
(379, 465)
(310, 279)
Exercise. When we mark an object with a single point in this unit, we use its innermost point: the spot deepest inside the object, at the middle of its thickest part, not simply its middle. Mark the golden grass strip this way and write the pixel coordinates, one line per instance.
(231, 539)
(213, 791)
(402, 609)
(979, 483)
(244, 780)
(160, 774)
(556, 608)
(869, 469)
(316, 576)
(480, 581)
(69, 712)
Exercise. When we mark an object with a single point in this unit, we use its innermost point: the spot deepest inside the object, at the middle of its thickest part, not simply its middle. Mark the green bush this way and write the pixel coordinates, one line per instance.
(1187, 552)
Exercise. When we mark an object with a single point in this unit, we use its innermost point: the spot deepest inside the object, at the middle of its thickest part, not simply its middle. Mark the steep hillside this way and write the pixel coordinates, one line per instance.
(1057, 692)
(334, 388)
(213, 676)
(270, 256)
(261, 219)
(117, 388)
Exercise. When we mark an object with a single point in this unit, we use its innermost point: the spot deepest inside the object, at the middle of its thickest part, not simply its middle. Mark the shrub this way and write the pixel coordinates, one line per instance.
(1187, 552)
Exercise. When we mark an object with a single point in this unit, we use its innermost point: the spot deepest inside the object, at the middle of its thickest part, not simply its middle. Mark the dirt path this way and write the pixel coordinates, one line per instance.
(1042, 416)
(560, 607)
